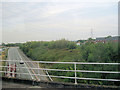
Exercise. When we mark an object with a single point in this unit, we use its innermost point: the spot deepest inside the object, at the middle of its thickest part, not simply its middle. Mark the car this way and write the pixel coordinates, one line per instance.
(21, 62)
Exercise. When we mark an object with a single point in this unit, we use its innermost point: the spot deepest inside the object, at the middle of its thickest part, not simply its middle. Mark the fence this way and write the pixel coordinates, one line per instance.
(51, 76)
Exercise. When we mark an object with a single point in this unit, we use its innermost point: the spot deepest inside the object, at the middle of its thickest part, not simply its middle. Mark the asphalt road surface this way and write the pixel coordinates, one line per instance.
(14, 53)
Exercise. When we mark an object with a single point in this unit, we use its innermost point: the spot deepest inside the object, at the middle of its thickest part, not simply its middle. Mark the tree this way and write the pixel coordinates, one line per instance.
(108, 37)
(3, 44)
(90, 39)
(71, 45)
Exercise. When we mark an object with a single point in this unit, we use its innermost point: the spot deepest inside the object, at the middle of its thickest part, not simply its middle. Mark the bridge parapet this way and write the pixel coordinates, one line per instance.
(48, 84)
(53, 76)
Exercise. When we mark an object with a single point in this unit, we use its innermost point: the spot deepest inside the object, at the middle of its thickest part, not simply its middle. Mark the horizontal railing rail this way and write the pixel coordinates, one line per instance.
(66, 70)
(61, 62)
(62, 70)
(67, 77)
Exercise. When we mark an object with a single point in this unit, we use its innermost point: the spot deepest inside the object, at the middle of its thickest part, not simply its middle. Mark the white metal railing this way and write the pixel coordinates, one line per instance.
(75, 70)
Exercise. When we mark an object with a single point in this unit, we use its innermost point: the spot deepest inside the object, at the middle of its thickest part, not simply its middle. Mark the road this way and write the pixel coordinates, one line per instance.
(14, 53)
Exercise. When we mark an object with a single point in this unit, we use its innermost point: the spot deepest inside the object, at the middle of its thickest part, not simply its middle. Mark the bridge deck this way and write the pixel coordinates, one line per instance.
(6, 84)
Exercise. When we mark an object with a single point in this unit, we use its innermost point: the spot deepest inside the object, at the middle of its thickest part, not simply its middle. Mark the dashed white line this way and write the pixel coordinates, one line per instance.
(25, 65)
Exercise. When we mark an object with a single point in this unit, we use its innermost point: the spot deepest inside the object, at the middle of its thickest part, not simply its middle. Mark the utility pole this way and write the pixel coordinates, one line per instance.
(91, 33)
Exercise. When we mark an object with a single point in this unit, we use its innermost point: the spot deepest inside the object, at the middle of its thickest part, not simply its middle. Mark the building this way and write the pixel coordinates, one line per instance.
(107, 39)
(78, 43)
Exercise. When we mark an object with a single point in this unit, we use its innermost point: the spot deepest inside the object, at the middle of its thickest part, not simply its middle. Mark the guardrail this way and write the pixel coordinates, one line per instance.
(75, 70)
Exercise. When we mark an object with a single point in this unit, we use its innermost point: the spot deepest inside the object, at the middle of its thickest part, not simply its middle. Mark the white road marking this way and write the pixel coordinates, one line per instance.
(31, 69)
(25, 65)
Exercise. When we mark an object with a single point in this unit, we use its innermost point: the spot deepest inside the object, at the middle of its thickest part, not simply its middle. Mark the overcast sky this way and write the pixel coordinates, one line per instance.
(72, 20)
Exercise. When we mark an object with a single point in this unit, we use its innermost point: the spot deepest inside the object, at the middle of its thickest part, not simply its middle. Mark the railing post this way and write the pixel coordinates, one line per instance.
(6, 68)
(19, 73)
(75, 73)
(38, 70)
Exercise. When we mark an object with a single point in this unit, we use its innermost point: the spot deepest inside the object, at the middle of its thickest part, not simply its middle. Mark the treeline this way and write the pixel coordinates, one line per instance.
(89, 52)
(11, 44)
(53, 50)
(64, 50)
(100, 52)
